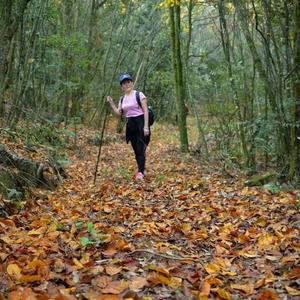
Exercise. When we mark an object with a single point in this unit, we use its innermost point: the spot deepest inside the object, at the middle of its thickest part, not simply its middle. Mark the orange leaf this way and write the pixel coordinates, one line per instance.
(137, 283)
(37, 266)
(30, 278)
(28, 294)
(266, 241)
(22, 294)
(162, 270)
(205, 289)
(212, 268)
(109, 252)
(292, 291)
(268, 295)
(115, 287)
(108, 297)
(14, 271)
(267, 279)
(159, 279)
(214, 281)
(200, 297)
(101, 281)
(186, 228)
(246, 288)
(175, 282)
(39, 231)
(7, 240)
(294, 273)
(78, 264)
(112, 270)
(223, 294)
(3, 256)
(15, 295)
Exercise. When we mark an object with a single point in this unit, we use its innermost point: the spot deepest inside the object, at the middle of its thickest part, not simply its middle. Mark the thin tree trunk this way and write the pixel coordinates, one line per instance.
(178, 78)
(283, 140)
(295, 166)
(226, 48)
(9, 23)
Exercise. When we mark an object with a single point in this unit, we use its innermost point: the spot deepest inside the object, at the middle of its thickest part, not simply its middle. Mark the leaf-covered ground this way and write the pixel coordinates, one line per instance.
(186, 232)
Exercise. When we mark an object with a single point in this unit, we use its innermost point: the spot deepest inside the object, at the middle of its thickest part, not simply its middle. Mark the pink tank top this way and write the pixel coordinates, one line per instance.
(130, 106)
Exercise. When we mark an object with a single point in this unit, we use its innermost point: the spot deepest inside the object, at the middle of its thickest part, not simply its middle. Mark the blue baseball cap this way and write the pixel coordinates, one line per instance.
(124, 76)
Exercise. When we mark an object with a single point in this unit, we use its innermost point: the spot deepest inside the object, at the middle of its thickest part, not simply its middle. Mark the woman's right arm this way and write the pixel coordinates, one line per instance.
(115, 109)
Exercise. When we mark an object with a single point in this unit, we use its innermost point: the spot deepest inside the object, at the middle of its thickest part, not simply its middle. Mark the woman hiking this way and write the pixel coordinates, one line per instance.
(134, 106)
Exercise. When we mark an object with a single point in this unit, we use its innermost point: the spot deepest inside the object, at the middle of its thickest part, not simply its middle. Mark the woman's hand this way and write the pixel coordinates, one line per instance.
(109, 99)
(146, 131)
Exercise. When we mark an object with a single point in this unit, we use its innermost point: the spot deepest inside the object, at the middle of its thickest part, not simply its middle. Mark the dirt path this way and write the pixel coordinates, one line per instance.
(186, 232)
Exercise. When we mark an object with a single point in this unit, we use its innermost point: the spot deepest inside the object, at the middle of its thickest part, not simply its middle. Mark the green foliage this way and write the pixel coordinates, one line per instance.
(66, 58)
(94, 237)
(85, 241)
(14, 194)
(298, 202)
(272, 188)
(39, 133)
(124, 173)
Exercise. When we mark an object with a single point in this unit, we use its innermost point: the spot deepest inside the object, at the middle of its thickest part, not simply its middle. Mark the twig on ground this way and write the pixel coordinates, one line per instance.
(167, 256)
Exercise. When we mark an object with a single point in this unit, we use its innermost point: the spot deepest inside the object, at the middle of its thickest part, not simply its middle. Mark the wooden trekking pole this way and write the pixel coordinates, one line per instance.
(101, 141)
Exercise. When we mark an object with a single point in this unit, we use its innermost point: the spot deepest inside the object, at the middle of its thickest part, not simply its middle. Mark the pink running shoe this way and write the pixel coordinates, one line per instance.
(139, 176)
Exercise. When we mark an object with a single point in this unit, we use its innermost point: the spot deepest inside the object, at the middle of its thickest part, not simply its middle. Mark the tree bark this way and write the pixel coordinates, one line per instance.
(178, 75)
(10, 18)
(296, 88)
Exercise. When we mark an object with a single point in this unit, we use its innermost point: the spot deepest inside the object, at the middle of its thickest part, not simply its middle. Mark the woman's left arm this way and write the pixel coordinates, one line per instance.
(146, 116)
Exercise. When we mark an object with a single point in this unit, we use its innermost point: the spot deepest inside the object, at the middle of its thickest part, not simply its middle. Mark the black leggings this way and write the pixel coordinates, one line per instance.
(139, 142)
(139, 148)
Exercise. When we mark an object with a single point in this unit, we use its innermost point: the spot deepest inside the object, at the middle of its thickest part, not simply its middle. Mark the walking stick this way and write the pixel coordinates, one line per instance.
(101, 142)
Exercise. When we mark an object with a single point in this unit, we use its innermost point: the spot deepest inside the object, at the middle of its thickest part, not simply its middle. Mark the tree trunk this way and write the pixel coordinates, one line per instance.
(227, 52)
(9, 22)
(178, 78)
(283, 137)
(296, 88)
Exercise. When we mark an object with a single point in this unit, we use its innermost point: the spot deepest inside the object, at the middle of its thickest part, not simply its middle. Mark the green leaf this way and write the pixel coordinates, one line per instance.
(13, 194)
(90, 228)
(272, 188)
(85, 241)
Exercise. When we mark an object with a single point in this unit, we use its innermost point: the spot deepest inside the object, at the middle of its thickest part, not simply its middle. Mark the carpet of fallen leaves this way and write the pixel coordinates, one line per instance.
(186, 232)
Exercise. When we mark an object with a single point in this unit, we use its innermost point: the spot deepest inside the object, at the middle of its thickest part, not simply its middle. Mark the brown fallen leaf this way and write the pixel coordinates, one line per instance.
(268, 295)
(39, 231)
(22, 294)
(157, 278)
(292, 291)
(212, 268)
(112, 270)
(248, 288)
(265, 280)
(109, 252)
(214, 280)
(30, 278)
(14, 271)
(115, 287)
(223, 294)
(137, 283)
(175, 282)
(205, 289)
(108, 297)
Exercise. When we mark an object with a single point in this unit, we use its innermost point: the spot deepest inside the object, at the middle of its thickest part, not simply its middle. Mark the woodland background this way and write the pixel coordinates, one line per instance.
(233, 65)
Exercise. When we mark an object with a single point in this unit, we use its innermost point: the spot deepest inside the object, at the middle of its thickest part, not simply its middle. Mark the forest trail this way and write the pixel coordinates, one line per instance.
(186, 232)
